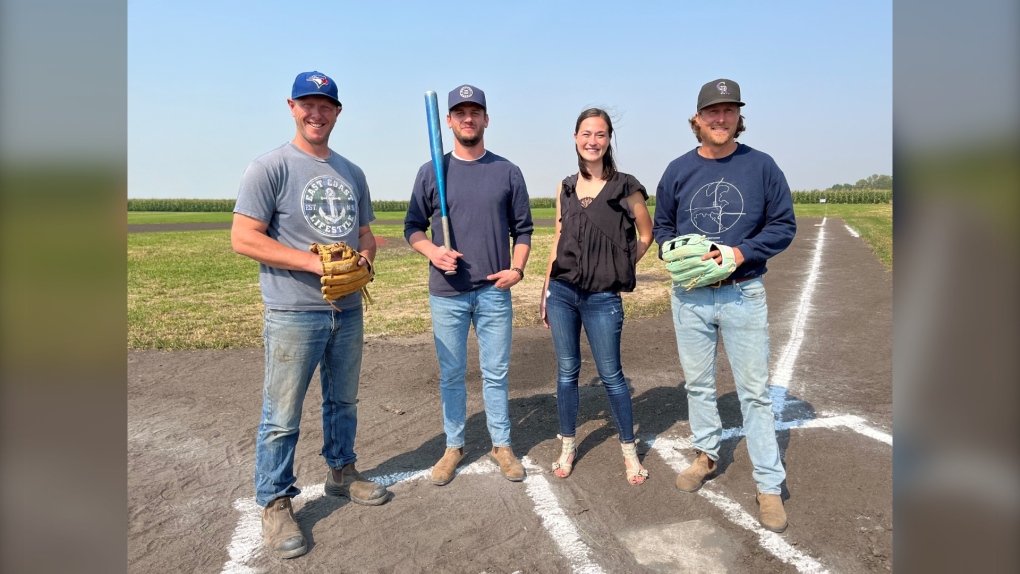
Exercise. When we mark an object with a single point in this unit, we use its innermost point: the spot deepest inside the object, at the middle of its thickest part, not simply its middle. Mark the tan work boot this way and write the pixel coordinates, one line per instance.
(511, 468)
(446, 468)
(347, 481)
(281, 531)
(771, 514)
(691, 479)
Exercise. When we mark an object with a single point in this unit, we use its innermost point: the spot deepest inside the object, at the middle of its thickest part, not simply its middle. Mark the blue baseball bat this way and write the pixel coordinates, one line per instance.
(436, 144)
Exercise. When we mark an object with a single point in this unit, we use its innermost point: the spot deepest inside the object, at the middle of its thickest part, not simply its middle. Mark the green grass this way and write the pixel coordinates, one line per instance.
(872, 221)
(189, 290)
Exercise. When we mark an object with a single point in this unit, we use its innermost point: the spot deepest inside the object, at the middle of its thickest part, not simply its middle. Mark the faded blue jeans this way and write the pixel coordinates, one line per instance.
(740, 314)
(568, 308)
(491, 312)
(296, 343)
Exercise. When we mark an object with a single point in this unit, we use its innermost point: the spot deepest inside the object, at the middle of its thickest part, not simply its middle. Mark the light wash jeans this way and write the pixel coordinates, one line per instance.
(601, 314)
(740, 314)
(491, 312)
(296, 343)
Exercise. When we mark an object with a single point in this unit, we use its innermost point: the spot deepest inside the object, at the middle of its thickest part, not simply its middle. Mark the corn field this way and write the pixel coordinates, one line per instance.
(844, 196)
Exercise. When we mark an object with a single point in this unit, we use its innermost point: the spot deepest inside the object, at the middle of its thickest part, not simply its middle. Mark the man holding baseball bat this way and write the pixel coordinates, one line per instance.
(487, 206)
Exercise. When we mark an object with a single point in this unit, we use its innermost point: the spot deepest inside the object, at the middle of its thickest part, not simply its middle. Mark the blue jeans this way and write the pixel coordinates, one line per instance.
(568, 309)
(740, 314)
(491, 312)
(296, 343)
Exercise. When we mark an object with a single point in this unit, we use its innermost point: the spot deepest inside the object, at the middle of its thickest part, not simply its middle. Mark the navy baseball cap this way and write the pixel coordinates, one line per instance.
(314, 84)
(717, 92)
(464, 94)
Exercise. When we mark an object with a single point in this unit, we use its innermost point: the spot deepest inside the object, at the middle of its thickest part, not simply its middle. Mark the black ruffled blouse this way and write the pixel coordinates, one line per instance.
(598, 243)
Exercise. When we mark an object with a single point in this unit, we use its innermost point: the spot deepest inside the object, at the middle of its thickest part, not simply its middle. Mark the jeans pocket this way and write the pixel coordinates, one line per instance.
(753, 289)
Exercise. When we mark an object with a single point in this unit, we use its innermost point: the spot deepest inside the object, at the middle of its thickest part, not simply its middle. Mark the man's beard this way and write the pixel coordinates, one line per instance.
(470, 142)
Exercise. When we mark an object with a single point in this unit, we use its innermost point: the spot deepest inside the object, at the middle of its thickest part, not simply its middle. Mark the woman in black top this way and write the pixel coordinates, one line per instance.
(602, 230)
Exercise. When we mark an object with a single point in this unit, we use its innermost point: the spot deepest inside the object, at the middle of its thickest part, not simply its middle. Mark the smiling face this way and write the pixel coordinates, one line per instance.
(468, 122)
(717, 124)
(592, 139)
(314, 117)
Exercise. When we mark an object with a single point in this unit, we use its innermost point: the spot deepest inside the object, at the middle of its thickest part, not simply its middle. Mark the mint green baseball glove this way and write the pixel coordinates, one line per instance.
(683, 261)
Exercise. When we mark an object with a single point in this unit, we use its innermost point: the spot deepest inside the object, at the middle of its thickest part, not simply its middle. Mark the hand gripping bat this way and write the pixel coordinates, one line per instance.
(436, 144)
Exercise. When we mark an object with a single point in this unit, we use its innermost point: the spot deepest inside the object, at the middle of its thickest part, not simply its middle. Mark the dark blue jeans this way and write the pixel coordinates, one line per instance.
(601, 314)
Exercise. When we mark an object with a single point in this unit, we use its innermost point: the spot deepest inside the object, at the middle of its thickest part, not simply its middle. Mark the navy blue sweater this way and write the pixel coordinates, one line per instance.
(741, 200)
(487, 204)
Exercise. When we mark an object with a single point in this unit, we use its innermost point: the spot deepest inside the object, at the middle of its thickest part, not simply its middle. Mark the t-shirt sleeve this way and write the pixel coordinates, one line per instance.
(366, 213)
(257, 195)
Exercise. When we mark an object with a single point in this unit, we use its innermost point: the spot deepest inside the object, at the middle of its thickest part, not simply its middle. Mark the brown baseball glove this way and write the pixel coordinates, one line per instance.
(341, 274)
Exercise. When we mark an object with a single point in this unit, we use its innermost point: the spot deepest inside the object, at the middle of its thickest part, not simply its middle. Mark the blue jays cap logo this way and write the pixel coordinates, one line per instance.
(723, 88)
(319, 80)
(466, 92)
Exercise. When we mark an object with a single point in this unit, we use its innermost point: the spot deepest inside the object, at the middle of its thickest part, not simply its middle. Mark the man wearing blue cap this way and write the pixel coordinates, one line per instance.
(488, 208)
(738, 197)
(298, 194)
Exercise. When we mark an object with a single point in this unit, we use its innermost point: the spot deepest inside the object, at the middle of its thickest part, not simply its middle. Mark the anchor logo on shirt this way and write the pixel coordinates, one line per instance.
(333, 217)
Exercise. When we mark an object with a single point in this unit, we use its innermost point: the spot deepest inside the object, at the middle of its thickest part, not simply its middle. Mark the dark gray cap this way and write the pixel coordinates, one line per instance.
(463, 94)
(718, 91)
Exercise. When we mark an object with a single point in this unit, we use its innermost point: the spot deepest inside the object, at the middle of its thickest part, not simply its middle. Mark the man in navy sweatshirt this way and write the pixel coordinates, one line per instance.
(736, 196)
(487, 207)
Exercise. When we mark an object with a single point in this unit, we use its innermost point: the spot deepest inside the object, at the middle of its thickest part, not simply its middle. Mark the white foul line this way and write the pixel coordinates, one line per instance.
(246, 542)
(557, 523)
(783, 372)
(852, 231)
(669, 449)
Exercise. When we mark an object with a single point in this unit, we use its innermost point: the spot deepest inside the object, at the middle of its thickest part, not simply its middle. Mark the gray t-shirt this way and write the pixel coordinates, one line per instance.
(304, 200)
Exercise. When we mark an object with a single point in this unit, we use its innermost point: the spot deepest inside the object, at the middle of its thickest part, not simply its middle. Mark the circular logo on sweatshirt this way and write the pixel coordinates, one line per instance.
(716, 207)
(329, 206)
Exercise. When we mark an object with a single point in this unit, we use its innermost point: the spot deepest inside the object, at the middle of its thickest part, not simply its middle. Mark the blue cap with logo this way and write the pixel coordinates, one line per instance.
(314, 84)
(466, 94)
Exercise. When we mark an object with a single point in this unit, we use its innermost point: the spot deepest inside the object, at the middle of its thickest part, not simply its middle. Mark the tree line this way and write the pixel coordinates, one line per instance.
(874, 181)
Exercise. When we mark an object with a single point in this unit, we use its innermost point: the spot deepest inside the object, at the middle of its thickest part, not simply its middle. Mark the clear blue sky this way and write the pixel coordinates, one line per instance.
(208, 82)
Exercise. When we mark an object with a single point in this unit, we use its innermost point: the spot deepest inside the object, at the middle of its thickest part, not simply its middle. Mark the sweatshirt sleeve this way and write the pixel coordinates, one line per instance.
(780, 223)
(521, 226)
(664, 225)
(420, 209)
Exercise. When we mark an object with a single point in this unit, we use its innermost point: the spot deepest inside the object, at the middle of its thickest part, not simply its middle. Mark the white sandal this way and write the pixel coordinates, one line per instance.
(567, 452)
(631, 459)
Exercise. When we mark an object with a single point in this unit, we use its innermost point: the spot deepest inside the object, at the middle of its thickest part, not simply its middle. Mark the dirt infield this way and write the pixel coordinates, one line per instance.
(192, 418)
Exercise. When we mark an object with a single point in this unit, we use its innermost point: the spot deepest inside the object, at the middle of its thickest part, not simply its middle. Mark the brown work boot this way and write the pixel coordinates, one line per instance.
(511, 468)
(691, 479)
(446, 468)
(771, 514)
(281, 531)
(347, 481)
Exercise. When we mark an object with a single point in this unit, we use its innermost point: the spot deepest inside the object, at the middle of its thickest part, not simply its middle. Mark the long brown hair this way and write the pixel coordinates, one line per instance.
(608, 163)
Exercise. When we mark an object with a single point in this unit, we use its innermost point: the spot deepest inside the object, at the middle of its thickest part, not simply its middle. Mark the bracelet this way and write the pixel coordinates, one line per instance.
(519, 271)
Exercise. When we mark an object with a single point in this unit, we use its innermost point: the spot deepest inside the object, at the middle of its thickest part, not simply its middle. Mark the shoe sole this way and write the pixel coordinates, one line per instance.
(505, 475)
(776, 530)
(292, 553)
(441, 482)
(678, 487)
(334, 491)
